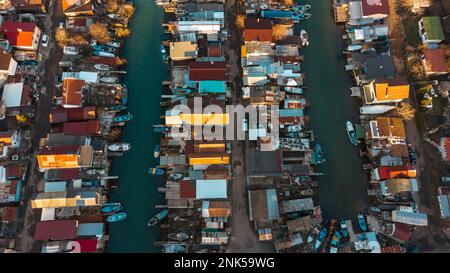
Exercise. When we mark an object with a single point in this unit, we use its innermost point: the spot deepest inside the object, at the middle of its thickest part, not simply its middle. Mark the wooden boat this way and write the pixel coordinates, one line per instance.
(307, 192)
(116, 108)
(116, 217)
(119, 147)
(180, 236)
(304, 37)
(354, 47)
(335, 240)
(123, 118)
(344, 228)
(103, 67)
(362, 222)
(156, 171)
(351, 133)
(158, 217)
(112, 207)
(109, 79)
(156, 151)
(319, 154)
(176, 176)
(320, 238)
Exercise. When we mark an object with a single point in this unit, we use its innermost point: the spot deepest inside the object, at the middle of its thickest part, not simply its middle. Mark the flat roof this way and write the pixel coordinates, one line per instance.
(211, 189)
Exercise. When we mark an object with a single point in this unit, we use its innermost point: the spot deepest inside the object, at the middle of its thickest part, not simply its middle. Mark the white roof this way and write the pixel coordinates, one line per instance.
(48, 214)
(211, 189)
(359, 34)
(89, 76)
(355, 10)
(12, 94)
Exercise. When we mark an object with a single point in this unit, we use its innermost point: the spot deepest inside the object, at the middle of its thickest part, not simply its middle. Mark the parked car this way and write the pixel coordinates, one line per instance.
(70, 50)
(45, 39)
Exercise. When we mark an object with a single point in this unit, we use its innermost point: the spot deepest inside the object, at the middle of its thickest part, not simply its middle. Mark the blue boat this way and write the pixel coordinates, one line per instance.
(161, 129)
(320, 238)
(116, 217)
(351, 133)
(116, 108)
(362, 222)
(123, 118)
(103, 48)
(319, 154)
(164, 53)
(277, 14)
(176, 248)
(112, 207)
(156, 171)
(124, 98)
(156, 151)
(344, 228)
(335, 240)
(158, 217)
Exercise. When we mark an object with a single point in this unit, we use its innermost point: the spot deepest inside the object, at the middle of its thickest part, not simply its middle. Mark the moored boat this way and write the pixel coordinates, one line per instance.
(176, 176)
(362, 222)
(319, 154)
(103, 67)
(123, 118)
(354, 47)
(180, 236)
(161, 129)
(320, 238)
(302, 178)
(116, 217)
(119, 147)
(335, 240)
(304, 37)
(351, 133)
(156, 151)
(307, 192)
(174, 248)
(158, 217)
(375, 109)
(156, 171)
(163, 53)
(302, 16)
(294, 90)
(109, 79)
(111, 207)
(344, 228)
(116, 108)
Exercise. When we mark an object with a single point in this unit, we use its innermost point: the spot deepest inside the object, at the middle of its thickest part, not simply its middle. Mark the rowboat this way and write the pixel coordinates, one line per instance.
(123, 118)
(319, 154)
(334, 245)
(304, 37)
(180, 236)
(112, 207)
(362, 222)
(156, 171)
(320, 238)
(103, 67)
(119, 147)
(116, 217)
(351, 133)
(158, 217)
(156, 151)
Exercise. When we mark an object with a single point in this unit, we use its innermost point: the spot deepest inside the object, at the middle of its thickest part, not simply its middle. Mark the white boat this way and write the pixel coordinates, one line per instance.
(180, 12)
(354, 47)
(113, 44)
(304, 37)
(351, 133)
(70, 50)
(109, 79)
(375, 109)
(103, 67)
(119, 147)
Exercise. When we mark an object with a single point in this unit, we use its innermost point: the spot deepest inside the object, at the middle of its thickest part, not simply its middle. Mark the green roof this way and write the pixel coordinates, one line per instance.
(433, 28)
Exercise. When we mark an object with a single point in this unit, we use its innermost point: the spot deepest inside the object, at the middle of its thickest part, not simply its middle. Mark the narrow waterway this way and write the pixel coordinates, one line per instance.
(138, 190)
(343, 185)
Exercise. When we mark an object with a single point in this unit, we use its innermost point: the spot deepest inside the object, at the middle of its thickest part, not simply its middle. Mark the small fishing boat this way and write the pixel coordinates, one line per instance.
(124, 97)
(119, 147)
(301, 8)
(351, 133)
(335, 240)
(123, 118)
(302, 178)
(103, 67)
(180, 236)
(362, 222)
(176, 176)
(156, 151)
(112, 207)
(180, 12)
(319, 154)
(115, 44)
(174, 248)
(156, 171)
(116, 217)
(116, 108)
(320, 238)
(304, 37)
(354, 47)
(181, 91)
(109, 79)
(302, 16)
(158, 217)
(344, 228)
(307, 192)
(163, 53)
(293, 128)
(294, 90)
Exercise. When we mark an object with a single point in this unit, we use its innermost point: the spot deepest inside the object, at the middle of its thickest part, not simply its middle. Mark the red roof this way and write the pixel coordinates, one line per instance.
(60, 114)
(9, 214)
(13, 186)
(187, 189)
(80, 128)
(387, 172)
(56, 230)
(14, 171)
(60, 150)
(436, 61)
(447, 146)
(257, 29)
(402, 231)
(19, 33)
(71, 91)
(88, 245)
(214, 50)
(202, 71)
(372, 7)
(64, 174)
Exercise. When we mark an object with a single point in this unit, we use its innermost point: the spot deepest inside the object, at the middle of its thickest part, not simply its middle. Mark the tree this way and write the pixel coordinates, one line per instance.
(126, 11)
(278, 31)
(78, 40)
(122, 32)
(288, 2)
(99, 32)
(120, 61)
(111, 6)
(240, 20)
(115, 133)
(415, 67)
(62, 36)
(405, 111)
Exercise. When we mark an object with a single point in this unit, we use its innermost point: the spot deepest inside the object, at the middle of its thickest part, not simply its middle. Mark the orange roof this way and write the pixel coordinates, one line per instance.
(72, 91)
(391, 127)
(435, 60)
(57, 161)
(19, 33)
(396, 89)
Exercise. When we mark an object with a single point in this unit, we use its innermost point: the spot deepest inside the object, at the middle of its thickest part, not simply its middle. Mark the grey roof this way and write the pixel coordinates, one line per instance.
(260, 163)
(298, 205)
(380, 67)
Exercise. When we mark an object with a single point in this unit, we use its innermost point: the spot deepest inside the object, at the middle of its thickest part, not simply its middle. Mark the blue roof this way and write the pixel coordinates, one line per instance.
(443, 203)
(211, 189)
(291, 112)
(276, 14)
(272, 204)
(211, 87)
(55, 186)
(90, 229)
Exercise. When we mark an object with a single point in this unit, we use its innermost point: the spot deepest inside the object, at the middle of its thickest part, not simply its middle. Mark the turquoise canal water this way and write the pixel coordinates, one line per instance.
(342, 187)
(137, 189)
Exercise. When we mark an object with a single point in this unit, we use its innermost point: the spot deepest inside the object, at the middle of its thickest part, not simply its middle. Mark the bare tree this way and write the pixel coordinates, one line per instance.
(99, 32)
(122, 32)
(405, 111)
(126, 11)
(62, 36)
(240, 19)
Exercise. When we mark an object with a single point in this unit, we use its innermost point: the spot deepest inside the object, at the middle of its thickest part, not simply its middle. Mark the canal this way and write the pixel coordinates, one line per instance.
(342, 188)
(137, 189)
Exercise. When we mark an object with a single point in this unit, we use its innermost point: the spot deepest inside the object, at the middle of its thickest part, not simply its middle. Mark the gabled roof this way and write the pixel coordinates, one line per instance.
(19, 33)
(391, 89)
(373, 7)
(391, 127)
(435, 61)
(56, 230)
(90, 127)
(5, 60)
(200, 71)
(77, 6)
(71, 92)
(433, 28)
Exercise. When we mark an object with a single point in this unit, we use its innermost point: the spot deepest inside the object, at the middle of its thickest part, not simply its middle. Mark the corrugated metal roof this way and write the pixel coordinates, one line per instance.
(272, 204)
(90, 229)
(55, 186)
(211, 189)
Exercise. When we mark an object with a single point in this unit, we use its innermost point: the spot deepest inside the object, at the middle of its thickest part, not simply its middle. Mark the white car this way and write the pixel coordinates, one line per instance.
(44, 40)
(70, 50)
